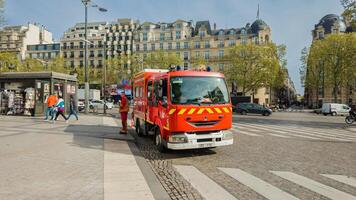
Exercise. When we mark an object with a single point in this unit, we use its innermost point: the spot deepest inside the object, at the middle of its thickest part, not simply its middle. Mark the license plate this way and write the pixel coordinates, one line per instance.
(205, 145)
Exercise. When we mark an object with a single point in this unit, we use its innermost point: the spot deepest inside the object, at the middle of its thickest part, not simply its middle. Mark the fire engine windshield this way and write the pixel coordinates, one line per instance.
(198, 90)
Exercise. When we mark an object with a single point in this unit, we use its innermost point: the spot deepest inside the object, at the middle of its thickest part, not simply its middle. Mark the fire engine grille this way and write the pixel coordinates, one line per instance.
(205, 140)
(204, 123)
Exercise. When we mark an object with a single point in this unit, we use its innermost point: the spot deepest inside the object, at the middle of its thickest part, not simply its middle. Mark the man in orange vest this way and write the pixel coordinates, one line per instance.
(51, 102)
(124, 109)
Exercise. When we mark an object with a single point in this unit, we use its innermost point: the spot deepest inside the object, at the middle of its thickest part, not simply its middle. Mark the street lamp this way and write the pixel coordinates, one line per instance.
(87, 3)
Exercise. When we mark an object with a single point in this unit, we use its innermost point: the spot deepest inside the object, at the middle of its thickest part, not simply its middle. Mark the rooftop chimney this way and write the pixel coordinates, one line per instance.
(214, 26)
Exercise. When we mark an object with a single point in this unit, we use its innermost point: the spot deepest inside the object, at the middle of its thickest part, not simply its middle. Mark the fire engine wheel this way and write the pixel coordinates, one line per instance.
(158, 141)
(138, 128)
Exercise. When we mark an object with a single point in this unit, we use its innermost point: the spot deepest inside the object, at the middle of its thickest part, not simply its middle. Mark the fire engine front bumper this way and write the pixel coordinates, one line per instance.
(197, 141)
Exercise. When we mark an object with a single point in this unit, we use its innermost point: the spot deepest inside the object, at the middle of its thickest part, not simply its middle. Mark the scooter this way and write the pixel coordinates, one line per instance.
(351, 118)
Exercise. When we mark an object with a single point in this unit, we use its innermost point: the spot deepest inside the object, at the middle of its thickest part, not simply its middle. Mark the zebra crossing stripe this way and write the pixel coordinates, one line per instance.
(261, 187)
(323, 132)
(314, 186)
(247, 133)
(277, 135)
(205, 186)
(343, 179)
(287, 133)
(320, 135)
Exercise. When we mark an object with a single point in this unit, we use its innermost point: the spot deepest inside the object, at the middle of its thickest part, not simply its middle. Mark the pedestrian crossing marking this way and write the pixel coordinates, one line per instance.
(260, 186)
(276, 135)
(205, 186)
(247, 133)
(343, 179)
(296, 132)
(314, 186)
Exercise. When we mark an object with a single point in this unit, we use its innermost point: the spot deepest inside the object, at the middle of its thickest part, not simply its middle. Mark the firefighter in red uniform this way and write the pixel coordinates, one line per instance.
(124, 109)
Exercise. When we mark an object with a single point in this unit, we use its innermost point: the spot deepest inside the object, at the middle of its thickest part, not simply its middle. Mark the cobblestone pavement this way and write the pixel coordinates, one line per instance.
(284, 156)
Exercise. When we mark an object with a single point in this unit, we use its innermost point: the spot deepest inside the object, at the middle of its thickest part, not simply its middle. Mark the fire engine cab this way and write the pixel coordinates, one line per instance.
(182, 109)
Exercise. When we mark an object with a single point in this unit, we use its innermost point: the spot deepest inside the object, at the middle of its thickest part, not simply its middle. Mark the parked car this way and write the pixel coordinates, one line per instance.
(335, 109)
(81, 105)
(100, 104)
(244, 108)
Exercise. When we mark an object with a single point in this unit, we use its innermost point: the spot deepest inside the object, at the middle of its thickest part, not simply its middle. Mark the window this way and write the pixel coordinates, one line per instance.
(137, 47)
(221, 53)
(162, 90)
(145, 47)
(170, 45)
(144, 37)
(81, 63)
(137, 92)
(197, 45)
(100, 63)
(321, 34)
(92, 63)
(72, 54)
(72, 64)
(243, 31)
(178, 26)
(202, 33)
(161, 45)
(221, 32)
(206, 55)
(153, 47)
(81, 55)
(232, 43)
(178, 35)
(100, 53)
(186, 56)
(221, 67)
(149, 93)
(178, 45)
(186, 45)
(197, 54)
(207, 44)
(161, 36)
(91, 54)
(65, 54)
(232, 32)
(221, 44)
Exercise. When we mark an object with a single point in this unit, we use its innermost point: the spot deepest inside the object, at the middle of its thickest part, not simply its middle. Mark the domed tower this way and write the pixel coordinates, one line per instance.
(329, 24)
(262, 30)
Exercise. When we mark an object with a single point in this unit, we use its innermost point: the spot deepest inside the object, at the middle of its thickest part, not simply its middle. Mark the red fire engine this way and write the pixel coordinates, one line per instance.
(182, 109)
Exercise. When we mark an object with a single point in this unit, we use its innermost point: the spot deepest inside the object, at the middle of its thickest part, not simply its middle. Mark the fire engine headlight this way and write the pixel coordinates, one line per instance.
(227, 135)
(177, 139)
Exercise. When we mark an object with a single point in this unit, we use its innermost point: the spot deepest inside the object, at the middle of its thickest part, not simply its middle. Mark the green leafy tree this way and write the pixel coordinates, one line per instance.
(162, 60)
(253, 66)
(349, 13)
(30, 65)
(9, 62)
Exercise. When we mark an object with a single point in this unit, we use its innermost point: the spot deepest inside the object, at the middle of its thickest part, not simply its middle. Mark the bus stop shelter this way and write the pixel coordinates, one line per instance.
(25, 93)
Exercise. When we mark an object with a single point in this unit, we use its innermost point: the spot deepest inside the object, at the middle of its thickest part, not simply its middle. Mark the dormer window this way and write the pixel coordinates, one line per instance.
(232, 32)
(243, 32)
(221, 32)
(178, 26)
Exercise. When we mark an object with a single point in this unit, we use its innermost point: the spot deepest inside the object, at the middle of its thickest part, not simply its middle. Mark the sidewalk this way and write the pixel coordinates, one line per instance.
(85, 159)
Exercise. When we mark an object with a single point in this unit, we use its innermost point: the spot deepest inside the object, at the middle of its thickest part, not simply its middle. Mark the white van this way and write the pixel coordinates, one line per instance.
(335, 109)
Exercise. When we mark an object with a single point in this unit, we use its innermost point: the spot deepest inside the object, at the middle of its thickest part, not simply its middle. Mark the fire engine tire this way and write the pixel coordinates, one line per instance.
(333, 114)
(243, 112)
(138, 128)
(158, 141)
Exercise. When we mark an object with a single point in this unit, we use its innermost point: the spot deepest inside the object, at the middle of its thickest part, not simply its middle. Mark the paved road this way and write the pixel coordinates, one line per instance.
(284, 156)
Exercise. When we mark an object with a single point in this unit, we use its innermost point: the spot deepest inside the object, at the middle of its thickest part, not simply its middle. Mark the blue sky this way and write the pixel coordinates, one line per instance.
(291, 21)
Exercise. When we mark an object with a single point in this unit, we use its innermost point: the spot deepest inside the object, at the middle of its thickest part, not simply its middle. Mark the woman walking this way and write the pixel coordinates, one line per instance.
(60, 108)
(72, 108)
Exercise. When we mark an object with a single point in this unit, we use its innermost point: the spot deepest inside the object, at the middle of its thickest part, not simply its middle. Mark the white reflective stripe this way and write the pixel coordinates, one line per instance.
(343, 179)
(320, 135)
(205, 186)
(314, 186)
(287, 133)
(247, 133)
(263, 188)
(282, 136)
(323, 132)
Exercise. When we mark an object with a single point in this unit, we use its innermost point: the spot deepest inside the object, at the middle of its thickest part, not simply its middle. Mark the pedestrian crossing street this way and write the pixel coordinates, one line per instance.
(288, 132)
(211, 190)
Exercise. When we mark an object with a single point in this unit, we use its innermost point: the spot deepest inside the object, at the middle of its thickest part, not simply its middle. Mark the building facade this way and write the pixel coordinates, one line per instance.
(202, 41)
(45, 52)
(114, 38)
(329, 24)
(73, 44)
(16, 38)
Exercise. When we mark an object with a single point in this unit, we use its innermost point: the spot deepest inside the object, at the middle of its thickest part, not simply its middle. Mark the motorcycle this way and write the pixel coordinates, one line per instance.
(351, 118)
